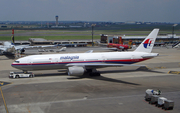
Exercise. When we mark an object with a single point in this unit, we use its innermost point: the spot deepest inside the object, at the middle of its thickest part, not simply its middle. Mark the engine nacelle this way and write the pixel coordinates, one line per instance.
(75, 71)
(22, 50)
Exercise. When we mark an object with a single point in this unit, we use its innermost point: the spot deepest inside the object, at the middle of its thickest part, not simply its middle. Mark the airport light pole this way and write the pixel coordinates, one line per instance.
(173, 30)
(92, 33)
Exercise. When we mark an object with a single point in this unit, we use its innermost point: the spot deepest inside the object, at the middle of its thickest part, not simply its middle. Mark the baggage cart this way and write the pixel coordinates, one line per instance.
(154, 99)
(149, 93)
(168, 104)
(160, 102)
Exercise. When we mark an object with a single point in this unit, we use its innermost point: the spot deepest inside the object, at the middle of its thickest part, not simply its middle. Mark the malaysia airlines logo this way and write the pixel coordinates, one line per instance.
(69, 57)
(147, 43)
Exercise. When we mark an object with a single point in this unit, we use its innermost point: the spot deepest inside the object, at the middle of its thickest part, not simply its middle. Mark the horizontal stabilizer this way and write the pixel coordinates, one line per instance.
(151, 55)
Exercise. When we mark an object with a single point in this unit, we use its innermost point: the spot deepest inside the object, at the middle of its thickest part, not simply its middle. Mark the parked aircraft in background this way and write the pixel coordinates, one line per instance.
(11, 49)
(79, 63)
(118, 46)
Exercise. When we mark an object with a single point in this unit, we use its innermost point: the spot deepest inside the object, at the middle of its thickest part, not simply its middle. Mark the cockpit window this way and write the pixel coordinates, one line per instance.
(16, 61)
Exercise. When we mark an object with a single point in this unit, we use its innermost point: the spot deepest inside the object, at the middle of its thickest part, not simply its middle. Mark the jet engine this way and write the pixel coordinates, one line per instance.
(75, 71)
(22, 50)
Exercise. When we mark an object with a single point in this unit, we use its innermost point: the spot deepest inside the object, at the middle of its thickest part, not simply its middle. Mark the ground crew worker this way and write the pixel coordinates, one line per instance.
(159, 92)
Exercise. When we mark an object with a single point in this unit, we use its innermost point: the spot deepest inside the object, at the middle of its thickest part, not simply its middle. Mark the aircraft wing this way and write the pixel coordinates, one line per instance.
(3, 49)
(112, 48)
(90, 51)
(44, 46)
(99, 65)
(121, 47)
(19, 47)
(28, 47)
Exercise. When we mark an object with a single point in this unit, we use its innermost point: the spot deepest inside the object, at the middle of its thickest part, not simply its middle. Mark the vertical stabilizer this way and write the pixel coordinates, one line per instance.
(12, 38)
(148, 43)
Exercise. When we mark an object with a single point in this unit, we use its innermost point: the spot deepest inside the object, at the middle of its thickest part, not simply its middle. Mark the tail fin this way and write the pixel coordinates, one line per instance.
(148, 43)
(12, 40)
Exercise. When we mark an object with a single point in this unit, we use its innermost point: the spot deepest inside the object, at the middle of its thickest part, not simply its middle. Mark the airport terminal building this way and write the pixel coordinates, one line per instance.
(104, 39)
(161, 39)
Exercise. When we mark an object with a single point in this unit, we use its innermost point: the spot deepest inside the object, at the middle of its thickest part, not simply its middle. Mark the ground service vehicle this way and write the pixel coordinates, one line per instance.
(168, 104)
(20, 75)
(160, 102)
(149, 93)
(154, 99)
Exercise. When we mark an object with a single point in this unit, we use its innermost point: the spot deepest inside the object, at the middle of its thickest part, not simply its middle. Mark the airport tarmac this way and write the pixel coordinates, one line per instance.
(117, 90)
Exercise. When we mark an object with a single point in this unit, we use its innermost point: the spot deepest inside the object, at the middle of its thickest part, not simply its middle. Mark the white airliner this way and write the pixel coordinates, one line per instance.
(79, 63)
(10, 48)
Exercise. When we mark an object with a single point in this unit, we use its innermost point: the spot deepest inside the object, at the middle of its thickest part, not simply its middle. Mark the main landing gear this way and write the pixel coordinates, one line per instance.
(93, 72)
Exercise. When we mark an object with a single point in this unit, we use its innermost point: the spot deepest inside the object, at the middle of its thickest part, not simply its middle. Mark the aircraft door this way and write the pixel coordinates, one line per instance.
(29, 65)
(55, 60)
(103, 58)
(134, 58)
(29, 62)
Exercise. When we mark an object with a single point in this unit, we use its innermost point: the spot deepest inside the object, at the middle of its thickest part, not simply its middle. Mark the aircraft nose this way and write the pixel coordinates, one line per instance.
(12, 64)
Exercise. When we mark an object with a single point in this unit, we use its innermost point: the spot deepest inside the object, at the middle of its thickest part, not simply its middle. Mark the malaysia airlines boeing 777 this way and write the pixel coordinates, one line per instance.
(78, 63)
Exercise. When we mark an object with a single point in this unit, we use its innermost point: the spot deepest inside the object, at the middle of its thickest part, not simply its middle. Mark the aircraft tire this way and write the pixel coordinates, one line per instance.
(94, 74)
(17, 76)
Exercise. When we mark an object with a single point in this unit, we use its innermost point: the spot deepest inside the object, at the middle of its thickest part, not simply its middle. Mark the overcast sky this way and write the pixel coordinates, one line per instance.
(91, 10)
